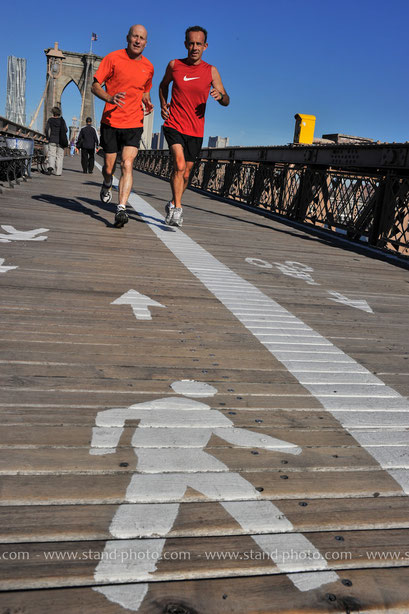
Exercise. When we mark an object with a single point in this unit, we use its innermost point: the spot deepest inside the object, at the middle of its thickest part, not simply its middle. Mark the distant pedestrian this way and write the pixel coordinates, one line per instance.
(56, 133)
(193, 80)
(87, 142)
(127, 76)
(72, 149)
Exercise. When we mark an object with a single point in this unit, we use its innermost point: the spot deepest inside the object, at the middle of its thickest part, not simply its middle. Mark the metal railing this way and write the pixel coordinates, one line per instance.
(14, 166)
(9, 128)
(359, 191)
(16, 163)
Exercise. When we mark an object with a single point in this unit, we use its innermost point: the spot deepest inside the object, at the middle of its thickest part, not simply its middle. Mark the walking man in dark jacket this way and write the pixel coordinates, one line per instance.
(87, 141)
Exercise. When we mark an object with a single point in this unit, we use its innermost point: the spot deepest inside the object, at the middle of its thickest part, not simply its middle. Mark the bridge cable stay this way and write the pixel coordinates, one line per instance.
(33, 119)
(85, 84)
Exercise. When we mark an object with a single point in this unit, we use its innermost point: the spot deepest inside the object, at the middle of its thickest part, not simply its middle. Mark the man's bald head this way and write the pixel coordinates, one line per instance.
(141, 29)
(137, 38)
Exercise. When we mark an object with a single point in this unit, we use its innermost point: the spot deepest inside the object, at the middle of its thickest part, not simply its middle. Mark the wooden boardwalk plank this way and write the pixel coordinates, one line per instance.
(58, 461)
(88, 489)
(374, 590)
(92, 522)
(32, 436)
(73, 563)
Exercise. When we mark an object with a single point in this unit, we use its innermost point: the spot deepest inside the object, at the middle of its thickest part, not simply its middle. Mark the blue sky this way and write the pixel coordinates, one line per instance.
(344, 62)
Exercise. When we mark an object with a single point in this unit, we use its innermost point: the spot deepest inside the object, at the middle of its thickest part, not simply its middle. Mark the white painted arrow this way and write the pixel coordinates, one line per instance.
(4, 269)
(340, 298)
(22, 235)
(139, 303)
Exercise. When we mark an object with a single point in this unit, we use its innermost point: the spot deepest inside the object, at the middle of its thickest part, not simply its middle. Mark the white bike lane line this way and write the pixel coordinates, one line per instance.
(353, 395)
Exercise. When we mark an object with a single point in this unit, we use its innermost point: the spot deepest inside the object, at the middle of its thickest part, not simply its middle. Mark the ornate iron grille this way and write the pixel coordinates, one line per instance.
(394, 224)
(368, 207)
(340, 200)
(268, 187)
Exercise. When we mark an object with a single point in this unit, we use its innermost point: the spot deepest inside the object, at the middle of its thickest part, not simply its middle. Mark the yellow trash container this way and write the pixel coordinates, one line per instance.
(304, 128)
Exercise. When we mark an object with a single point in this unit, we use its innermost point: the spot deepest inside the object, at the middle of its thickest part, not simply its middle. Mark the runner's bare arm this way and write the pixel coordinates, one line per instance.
(218, 92)
(147, 103)
(164, 90)
(99, 92)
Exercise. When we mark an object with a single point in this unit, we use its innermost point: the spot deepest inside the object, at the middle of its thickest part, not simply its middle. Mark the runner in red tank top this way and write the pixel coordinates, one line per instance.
(193, 80)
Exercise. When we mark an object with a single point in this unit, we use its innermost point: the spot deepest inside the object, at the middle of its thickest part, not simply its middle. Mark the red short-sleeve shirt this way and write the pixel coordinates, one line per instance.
(120, 73)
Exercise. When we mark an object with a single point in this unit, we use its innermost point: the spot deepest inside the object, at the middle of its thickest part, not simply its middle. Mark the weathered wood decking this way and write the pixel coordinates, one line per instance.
(280, 484)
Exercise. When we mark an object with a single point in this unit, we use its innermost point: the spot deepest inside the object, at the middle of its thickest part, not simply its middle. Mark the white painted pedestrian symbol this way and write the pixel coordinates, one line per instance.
(139, 302)
(175, 461)
(22, 235)
(344, 300)
(4, 269)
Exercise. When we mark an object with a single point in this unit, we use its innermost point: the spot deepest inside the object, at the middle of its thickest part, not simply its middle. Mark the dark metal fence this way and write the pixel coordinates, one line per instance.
(21, 151)
(14, 166)
(369, 204)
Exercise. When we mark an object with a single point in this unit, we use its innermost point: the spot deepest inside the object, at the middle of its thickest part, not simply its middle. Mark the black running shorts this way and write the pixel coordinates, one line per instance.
(191, 144)
(114, 139)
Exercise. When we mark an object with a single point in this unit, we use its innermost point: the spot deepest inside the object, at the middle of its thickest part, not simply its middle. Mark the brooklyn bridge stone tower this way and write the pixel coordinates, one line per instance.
(64, 67)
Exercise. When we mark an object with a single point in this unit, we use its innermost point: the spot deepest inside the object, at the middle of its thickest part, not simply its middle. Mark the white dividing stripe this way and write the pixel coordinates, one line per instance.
(368, 390)
(308, 369)
(285, 356)
(214, 275)
(383, 438)
(364, 403)
(350, 378)
(371, 419)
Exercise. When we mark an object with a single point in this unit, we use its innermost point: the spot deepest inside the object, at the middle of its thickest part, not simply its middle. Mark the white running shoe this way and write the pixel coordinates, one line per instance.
(177, 217)
(169, 209)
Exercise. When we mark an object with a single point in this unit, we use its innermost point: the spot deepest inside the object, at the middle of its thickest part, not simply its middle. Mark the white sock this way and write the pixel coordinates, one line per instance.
(121, 207)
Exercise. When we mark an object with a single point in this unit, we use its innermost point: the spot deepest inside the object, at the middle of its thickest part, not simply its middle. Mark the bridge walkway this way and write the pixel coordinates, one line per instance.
(205, 420)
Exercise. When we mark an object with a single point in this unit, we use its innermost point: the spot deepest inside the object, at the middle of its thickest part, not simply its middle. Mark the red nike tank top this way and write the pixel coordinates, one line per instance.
(190, 90)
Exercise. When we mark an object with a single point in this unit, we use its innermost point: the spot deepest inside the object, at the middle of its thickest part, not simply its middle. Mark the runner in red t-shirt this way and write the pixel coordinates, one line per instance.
(193, 80)
(127, 76)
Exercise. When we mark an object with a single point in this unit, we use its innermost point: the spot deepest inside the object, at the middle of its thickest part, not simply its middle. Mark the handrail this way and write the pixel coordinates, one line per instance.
(9, 128)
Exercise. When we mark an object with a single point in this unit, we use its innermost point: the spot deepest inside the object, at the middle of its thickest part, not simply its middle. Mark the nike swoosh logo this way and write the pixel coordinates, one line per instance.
(189, 78)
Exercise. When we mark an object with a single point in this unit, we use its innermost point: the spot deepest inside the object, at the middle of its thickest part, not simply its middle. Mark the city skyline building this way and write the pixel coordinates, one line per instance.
(163, 144)
(155, 140)
(146, 140)
(16, 90)
(218, 141)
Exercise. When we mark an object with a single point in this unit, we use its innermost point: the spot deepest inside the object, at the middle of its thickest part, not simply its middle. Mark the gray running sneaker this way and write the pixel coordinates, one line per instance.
(106, 193)
(169, 209)
(121, 218)
(177, 217)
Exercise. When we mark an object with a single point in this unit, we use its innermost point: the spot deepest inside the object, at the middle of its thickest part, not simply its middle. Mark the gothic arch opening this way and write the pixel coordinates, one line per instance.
(71, 107)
